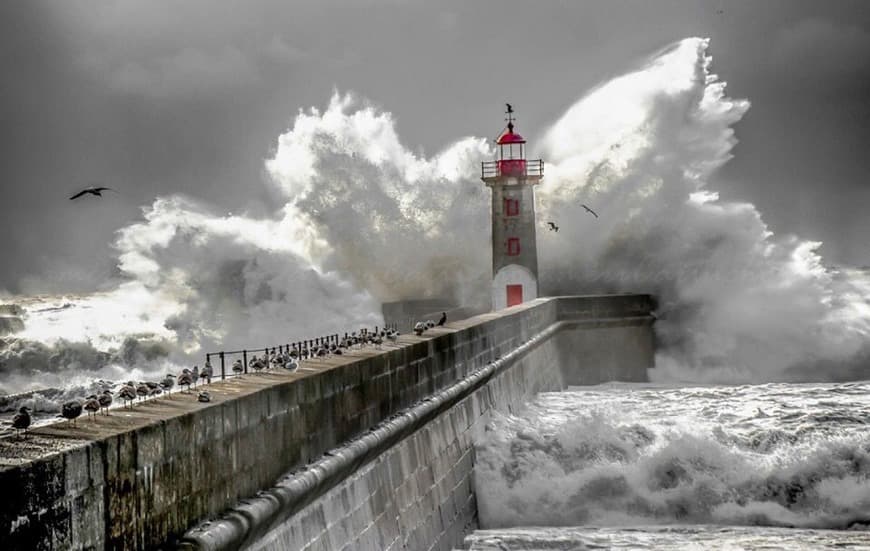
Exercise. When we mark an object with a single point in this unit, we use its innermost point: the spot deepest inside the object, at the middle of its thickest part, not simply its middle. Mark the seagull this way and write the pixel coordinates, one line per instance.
(195, 375)
(206, 372)
(255, 364)
(185, 379)
(71, 410)
(443, 319)
(92, 405)
(143, 390)
(204, 396)
(96, 191)
(590, 211)
(168, 382)
(21, 420)
(419, 327)
(553, 226)
(377, 340)
(128, 393)
(238, 368)
(105, 400)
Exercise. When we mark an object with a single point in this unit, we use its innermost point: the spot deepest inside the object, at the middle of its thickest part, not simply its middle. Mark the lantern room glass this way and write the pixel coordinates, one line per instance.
(509, 151)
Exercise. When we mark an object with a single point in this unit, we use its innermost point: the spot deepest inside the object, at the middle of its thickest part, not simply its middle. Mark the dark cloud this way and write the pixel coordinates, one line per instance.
(824, 55)
(189, 73)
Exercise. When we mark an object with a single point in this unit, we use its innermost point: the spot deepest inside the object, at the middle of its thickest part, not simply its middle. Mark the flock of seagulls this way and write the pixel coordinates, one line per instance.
(285, 357)
(421, 326)
(129, 393)
(288, 357)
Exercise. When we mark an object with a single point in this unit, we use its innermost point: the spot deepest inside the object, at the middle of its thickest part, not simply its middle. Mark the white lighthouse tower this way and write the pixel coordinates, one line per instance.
(514, 247)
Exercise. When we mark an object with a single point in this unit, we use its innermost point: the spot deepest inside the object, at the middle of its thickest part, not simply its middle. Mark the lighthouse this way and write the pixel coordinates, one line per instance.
(512, 179)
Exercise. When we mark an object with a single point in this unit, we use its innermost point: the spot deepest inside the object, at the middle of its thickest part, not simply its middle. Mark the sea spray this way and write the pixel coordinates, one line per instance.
(736, 302)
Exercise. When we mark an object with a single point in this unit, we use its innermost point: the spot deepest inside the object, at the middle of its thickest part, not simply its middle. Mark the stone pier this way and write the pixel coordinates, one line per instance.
(370, 450)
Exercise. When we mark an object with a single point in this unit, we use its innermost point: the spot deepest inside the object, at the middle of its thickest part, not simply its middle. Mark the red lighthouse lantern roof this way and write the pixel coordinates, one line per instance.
(510, 137)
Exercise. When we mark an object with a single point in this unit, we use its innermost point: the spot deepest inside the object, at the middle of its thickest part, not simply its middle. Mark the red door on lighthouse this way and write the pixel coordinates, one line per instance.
(514, 295)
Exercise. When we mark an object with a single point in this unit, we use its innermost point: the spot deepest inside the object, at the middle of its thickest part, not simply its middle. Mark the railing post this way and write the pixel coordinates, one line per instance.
(245, 361)
(223, 370)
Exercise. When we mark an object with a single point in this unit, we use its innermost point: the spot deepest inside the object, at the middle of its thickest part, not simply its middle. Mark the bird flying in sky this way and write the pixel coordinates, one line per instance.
(97, 191)
(553, 226)
(590, 211)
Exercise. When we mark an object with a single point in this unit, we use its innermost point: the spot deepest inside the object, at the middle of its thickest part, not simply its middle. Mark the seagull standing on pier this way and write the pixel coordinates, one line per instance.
(443, 319)
(167, 383)
(105, 400)
(128, 393)
(92, 405)
(71, 410)
(21, 420)
(207, 372)
(185, 380)
(142, 391)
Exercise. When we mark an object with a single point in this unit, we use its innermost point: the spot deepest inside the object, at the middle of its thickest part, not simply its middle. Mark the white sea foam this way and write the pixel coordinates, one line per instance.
(772, 455)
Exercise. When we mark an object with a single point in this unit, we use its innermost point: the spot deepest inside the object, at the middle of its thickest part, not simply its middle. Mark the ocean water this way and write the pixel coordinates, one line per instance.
(645, 466)
(665, 538)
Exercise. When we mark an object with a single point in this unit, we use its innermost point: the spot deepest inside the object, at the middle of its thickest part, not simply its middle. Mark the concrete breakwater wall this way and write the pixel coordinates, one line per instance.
(140, 478)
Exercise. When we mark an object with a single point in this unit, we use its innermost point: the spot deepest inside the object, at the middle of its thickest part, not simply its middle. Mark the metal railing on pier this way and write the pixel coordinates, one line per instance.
(296, 351)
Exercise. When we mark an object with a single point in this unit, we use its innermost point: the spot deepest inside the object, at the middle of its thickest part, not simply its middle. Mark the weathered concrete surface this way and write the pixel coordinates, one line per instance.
(139, 478)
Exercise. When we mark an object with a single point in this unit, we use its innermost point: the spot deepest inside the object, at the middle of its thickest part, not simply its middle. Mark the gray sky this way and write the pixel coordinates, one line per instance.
(156, 97)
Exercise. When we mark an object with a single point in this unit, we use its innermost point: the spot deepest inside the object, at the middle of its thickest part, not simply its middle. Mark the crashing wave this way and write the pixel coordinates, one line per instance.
(771, 455)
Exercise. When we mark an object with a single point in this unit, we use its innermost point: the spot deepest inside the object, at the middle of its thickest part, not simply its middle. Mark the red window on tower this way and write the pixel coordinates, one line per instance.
(513, 246)
(511, 207)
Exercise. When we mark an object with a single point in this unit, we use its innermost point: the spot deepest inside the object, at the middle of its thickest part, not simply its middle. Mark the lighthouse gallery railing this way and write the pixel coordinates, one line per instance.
(529, 168)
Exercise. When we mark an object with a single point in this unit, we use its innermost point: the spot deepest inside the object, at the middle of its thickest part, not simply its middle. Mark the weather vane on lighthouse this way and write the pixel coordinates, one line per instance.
(514, 242)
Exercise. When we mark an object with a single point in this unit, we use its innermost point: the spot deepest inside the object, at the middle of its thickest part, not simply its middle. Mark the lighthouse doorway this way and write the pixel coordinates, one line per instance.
(514, 295)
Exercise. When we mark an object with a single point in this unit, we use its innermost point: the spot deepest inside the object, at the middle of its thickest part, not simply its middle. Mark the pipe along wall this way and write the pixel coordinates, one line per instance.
(372, 450)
